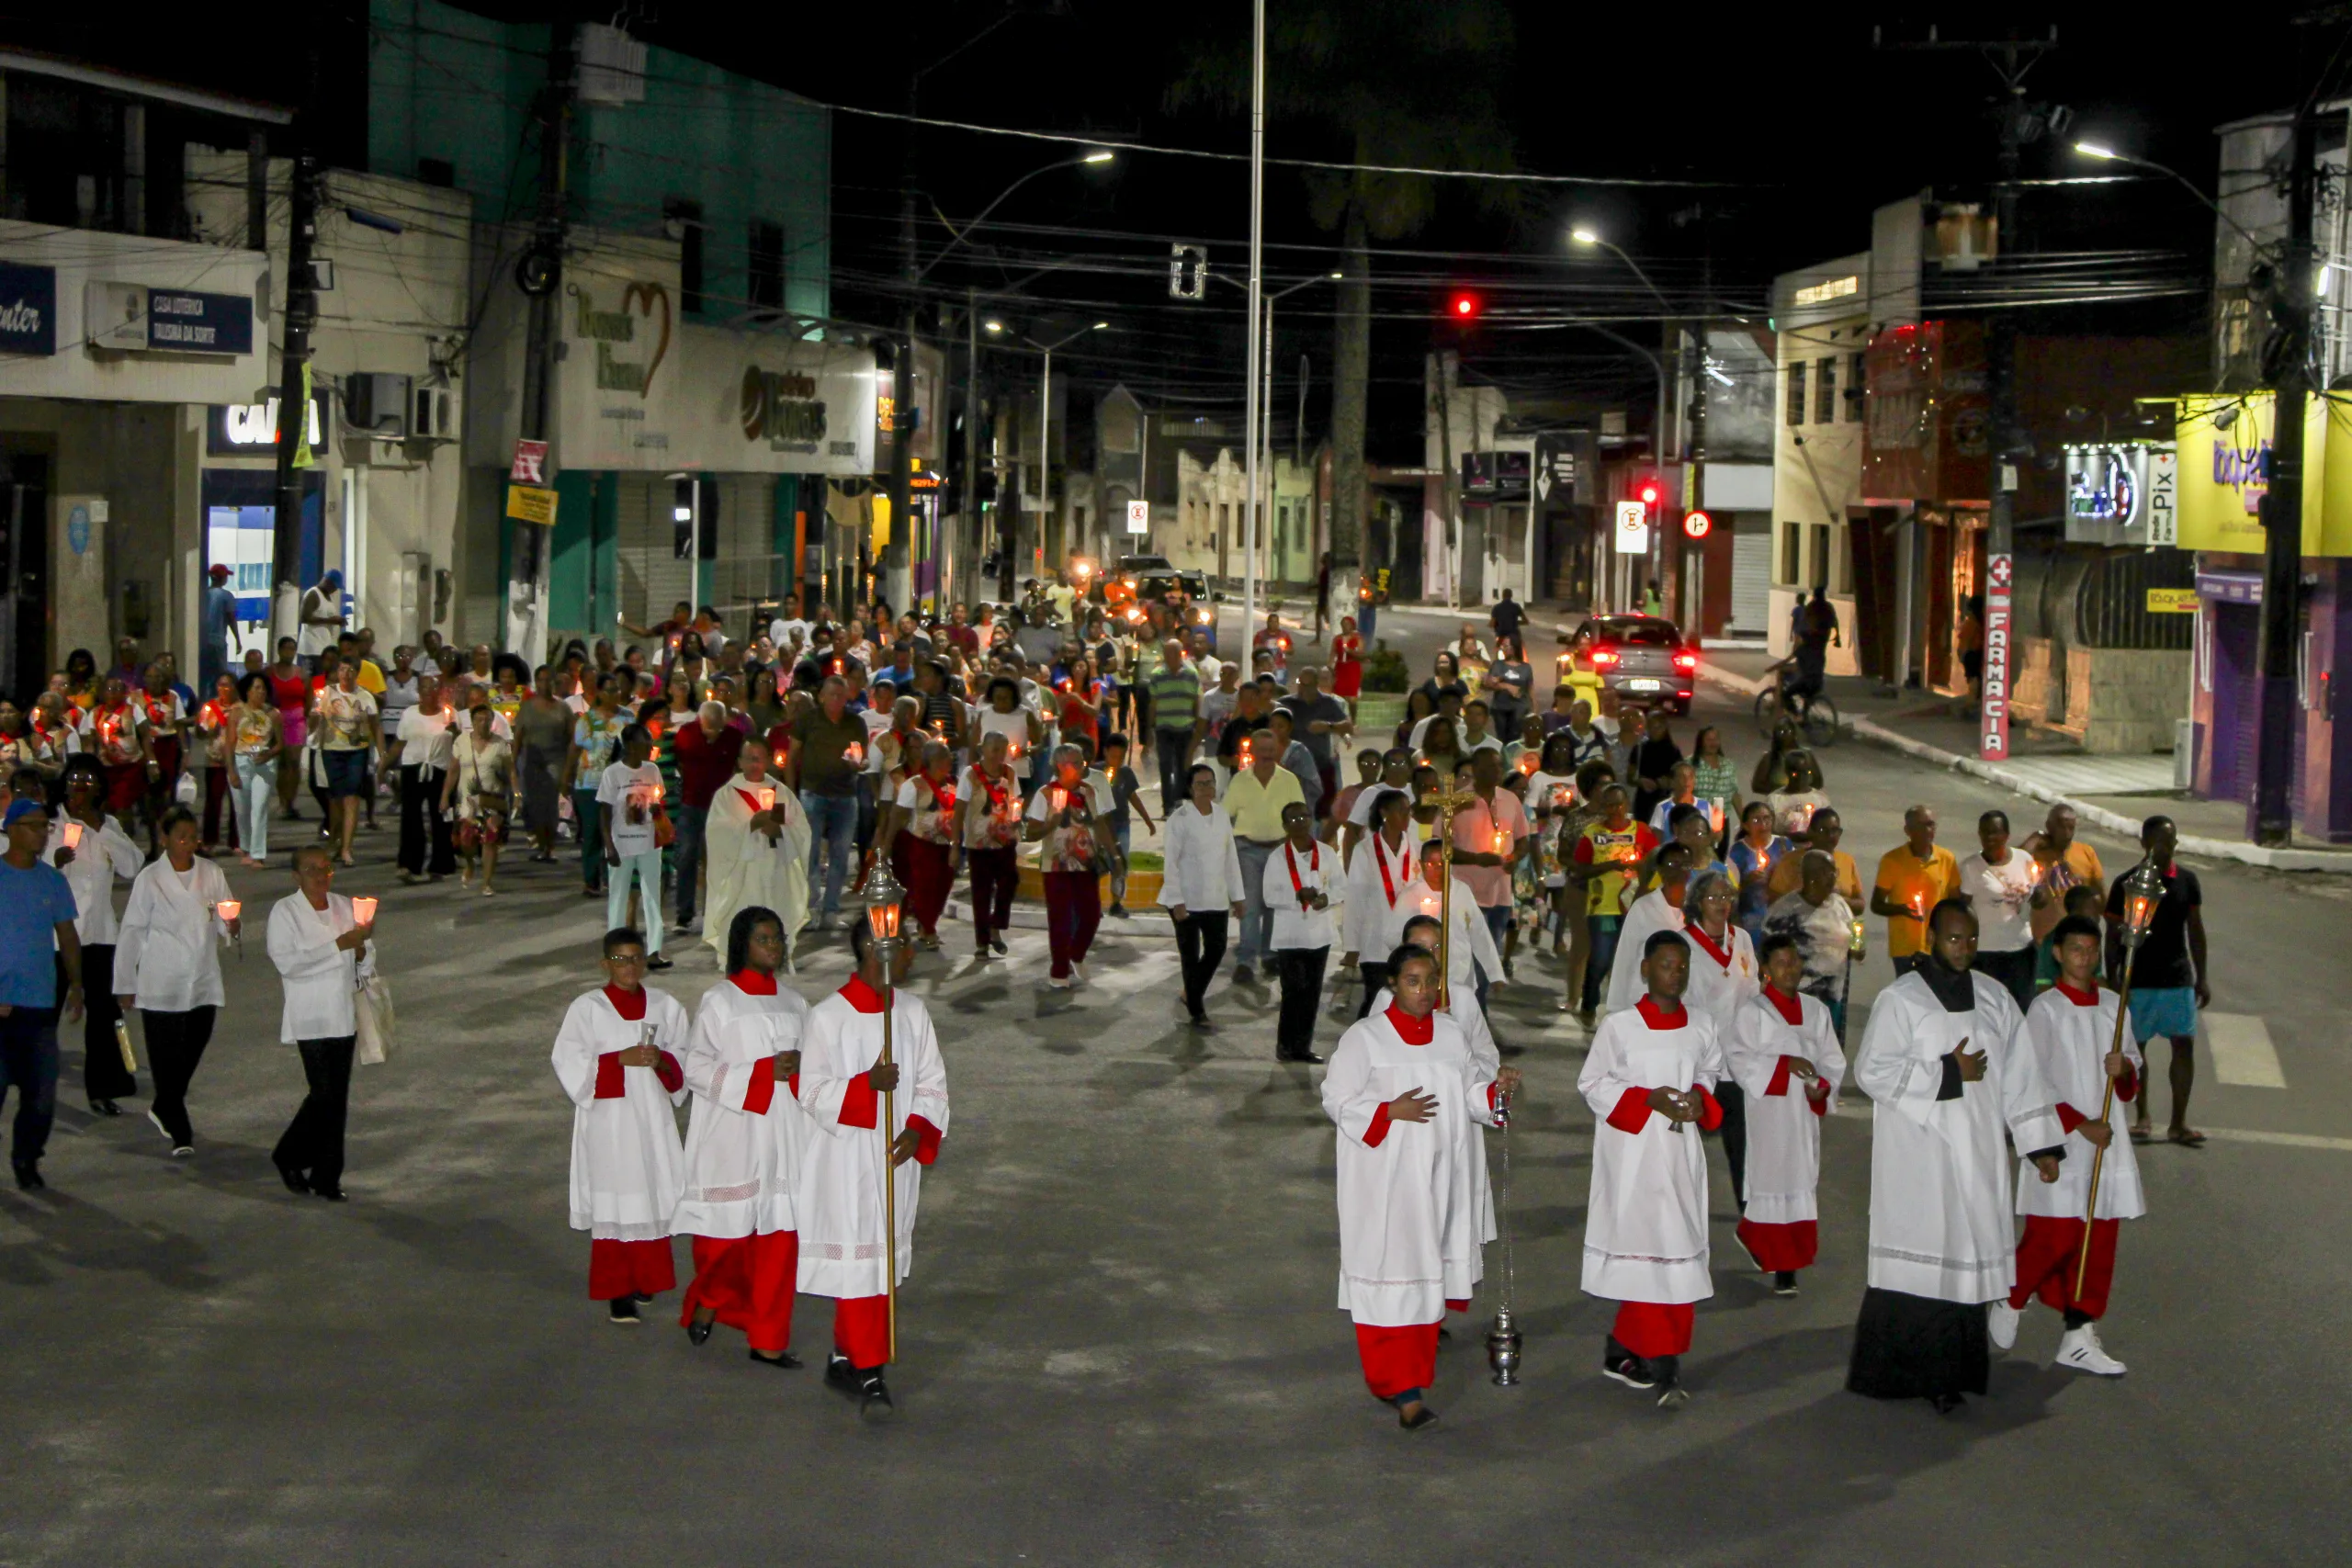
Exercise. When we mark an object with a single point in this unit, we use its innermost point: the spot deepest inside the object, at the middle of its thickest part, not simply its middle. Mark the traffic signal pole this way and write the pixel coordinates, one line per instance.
(2271, 815)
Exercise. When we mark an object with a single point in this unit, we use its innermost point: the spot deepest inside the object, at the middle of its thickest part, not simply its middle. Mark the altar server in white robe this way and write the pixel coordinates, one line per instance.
(1651, 1072)
(1420, 933)
(1380, 873)
(1406, 1100)
(743, 1146)
(1783, 1049)
(1941, 1063)
(756, 841)
(1724, 975)
(617, 1057)
(167, 964)
(844, 1246)
(1659, 909)
(1471, 955)
(2070, 1034)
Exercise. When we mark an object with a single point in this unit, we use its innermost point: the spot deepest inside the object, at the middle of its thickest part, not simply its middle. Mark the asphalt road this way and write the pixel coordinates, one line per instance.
(1119, 1345)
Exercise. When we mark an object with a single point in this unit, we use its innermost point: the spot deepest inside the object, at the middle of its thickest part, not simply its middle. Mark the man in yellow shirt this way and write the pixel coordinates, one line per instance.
(1254, 802)
(1913, 878)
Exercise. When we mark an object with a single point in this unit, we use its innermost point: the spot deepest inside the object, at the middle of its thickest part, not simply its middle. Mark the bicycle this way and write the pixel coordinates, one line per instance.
(1816, 713)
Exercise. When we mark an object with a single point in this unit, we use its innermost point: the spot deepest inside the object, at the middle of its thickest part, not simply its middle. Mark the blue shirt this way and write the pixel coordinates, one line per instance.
(32, 903)
(220, 617)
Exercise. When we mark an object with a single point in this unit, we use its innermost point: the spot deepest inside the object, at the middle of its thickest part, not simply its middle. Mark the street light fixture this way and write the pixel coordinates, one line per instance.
(2109, 155)
(1266, 409)
(1046, 414)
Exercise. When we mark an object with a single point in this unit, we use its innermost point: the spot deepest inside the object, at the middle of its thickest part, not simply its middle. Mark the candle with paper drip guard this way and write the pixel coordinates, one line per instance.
(72, 835)
(363, 911)
(228, 909)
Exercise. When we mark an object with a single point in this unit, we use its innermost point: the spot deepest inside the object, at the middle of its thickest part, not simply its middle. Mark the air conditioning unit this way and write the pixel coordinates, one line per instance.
(433, 415)
(376, 405)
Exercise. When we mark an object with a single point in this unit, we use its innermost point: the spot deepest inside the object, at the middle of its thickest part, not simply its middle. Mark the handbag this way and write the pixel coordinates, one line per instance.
(372, 1007)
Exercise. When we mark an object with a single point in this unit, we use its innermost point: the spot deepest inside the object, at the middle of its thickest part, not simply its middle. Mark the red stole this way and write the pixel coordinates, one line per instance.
(751, 983)
(1290, 860)
(630, 1005)
(862, 996)
(1789, 1008)
(1412, 1031)
(1380, 859)
(1657, 1016)
(2080, 999)
(1722, 955)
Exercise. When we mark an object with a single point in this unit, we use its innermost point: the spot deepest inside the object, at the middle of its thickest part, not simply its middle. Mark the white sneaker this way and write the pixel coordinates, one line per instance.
(1059, 983)
(157, 1123)
(1077, 972)
(2081, 1350)
(2001, 1319)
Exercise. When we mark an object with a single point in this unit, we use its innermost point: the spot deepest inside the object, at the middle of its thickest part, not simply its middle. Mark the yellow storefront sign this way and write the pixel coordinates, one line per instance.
(530, 504)
(2225, 444)
(2172, 601)
(881, 523)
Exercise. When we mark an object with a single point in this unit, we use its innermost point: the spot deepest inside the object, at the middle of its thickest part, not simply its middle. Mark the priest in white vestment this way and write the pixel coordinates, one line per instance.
(845, 1248)
(1783, 1049)
(755, 841)
(2070, 1034)
(1941, 1065)
(1650, 1075)
(1406, 1097)
(617, 1056)
(743, 1146)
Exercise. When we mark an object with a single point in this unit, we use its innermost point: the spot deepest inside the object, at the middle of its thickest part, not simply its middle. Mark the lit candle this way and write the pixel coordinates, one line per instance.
(1503, 840)
(767, 798)
(363, 911)
(72, 835)
(1527, 763)
(1059, 798)
(854, 754)
(228, 908)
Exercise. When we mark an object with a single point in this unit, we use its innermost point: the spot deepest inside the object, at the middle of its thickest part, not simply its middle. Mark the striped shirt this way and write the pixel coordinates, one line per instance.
(1175, 699)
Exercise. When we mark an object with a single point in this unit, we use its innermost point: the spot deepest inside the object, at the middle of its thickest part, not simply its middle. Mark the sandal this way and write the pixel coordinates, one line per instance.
(2141, 1134)
(2187, 1137)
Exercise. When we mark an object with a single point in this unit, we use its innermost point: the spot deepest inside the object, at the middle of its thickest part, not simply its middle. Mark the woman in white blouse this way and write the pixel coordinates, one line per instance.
(322, 953)
(167, 964)
(99, 852)
(1201, 885)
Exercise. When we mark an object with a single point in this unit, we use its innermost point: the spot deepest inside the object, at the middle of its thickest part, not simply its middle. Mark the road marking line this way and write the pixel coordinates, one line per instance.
(2284, 1140)
(2243, 1054)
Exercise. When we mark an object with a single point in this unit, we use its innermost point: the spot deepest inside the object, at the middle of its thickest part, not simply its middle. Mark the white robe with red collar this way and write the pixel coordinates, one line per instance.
(743, 1145)
(839, 1203)
(1722, 978)
(1409, 1217)
(1783, 1112)
(2068, 1040)
(1646, 1225)
(627, 1166)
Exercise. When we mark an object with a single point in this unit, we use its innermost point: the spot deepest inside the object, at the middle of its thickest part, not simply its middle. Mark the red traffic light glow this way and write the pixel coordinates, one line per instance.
(1650, 495)
(1698, 524)
(1465, 306)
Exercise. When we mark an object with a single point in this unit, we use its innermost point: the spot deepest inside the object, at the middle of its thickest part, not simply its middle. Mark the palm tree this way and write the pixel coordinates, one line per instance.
(1393, 83)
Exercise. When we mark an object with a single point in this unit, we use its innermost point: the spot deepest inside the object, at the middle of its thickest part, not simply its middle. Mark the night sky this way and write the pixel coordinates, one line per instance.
(1798, 122)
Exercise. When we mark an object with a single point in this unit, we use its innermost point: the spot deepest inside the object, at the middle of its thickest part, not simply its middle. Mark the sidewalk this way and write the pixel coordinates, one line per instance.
(2116, 793)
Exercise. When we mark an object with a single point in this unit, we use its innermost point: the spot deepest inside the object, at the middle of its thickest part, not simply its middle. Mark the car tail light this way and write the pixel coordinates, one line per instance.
(1602, 657)
(1686, 662)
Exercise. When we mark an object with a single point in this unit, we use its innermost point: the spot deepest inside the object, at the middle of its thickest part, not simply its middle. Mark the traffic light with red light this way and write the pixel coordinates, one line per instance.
(1464, 306)
(1648, 494)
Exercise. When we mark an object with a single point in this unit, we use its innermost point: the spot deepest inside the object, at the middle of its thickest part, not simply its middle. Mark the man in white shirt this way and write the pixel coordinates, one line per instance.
(322, 619)
(631, 798)
(324, 953)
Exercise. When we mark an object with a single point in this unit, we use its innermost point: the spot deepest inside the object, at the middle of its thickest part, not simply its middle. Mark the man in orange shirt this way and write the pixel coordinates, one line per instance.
(1913, 878)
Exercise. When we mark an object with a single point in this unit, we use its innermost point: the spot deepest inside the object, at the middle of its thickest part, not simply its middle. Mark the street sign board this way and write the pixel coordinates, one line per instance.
(530, 503)
(1633, 528)
(1697, 524)
(1138, 517)
(530, 466)
(1992, 736)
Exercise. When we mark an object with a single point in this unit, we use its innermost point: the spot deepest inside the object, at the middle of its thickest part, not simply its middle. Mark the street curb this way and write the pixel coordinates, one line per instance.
(2332, 861)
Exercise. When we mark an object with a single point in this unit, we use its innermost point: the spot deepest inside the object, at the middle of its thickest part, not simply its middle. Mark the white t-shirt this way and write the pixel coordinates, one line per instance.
(631, 795)
(426, 739)
(2001, 896)
(780, 629)
(311, 640)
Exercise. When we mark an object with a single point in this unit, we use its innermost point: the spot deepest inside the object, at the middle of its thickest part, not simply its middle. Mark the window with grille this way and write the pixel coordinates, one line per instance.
(1792, 571)
(1796, 392)
(1825, 391)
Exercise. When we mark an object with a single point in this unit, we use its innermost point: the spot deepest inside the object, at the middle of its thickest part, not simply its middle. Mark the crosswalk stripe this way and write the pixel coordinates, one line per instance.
(2283, 1140)
(2243, 1054)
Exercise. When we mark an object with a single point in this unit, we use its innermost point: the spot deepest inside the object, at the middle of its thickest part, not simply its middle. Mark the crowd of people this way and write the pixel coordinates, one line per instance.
(1704, 931)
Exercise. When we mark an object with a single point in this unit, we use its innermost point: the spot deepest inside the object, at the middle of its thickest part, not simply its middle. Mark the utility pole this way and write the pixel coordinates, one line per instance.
(293, 381)
(1251, 411)
(898, 552)
(969, 519)
(2271, 817)
(538, 274)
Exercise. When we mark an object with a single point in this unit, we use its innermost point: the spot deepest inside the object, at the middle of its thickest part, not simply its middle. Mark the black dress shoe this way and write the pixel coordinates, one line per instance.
(1305, 1058)
(332, 1194)
(1416, 1416)
(624, 1310)
(874, 1396)
(29, 1180)
(840, 1375)
(658, 962)
(698, 1334)
(295, 1180)
(782, 1361)
(105, 1108)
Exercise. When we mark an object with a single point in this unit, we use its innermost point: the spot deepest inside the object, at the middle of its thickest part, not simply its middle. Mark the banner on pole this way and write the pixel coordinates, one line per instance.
(1993, 721)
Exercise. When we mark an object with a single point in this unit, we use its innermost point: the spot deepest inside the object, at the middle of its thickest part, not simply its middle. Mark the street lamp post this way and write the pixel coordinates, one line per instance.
(1592, 238)
(1044, 426)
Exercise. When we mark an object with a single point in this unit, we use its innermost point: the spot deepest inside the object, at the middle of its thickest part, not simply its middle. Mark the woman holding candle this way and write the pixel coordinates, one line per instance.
(1753, 856)
(926, 816)
(255, 738)
(167, 966)
(319, 942)
(93, 853)
(543, 741)
(481, 789)
(209, 756)
(123, 752)
(1065, 820)
(988, 810)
